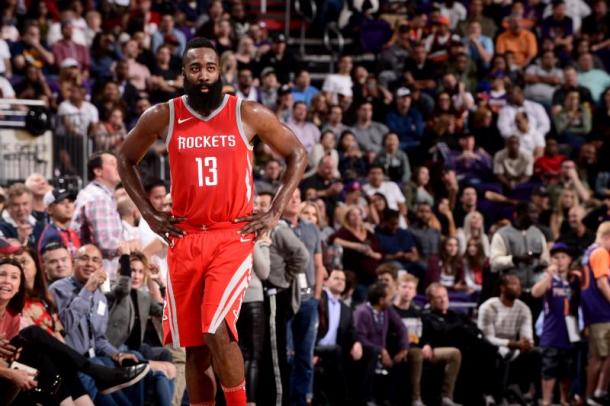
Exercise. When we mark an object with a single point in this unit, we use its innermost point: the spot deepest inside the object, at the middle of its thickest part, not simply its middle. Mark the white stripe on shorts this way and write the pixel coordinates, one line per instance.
(243, 268)
(173, 320)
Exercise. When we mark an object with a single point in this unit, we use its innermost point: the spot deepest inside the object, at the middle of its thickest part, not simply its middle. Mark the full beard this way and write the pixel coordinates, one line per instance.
(200, 101)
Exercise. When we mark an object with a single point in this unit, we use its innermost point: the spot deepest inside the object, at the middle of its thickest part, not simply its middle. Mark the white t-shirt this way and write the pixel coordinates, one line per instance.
(7, 90)
(337, 84)
(80, 117)
(5, 54)
(147, 235)
(390, 190)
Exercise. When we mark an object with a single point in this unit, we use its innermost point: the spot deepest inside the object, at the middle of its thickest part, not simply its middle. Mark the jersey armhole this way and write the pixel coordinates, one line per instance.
(170, 124)
(240, 125)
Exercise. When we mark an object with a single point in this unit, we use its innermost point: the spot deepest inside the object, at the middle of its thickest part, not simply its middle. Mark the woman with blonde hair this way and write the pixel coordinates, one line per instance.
(246, 53)
(228, 68)
(310, 211)
(361, 250)
(474, 228)
(568, 198)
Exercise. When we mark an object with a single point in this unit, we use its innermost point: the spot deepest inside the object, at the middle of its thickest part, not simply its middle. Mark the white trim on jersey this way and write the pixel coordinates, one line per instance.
(172, 310)
(170, 124)
(226, 303)
(248, 180)
(209, 116)
(240, 125)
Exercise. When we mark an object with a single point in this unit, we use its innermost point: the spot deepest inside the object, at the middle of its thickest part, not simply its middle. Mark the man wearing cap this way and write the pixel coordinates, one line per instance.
(269, 87)
(60, 206)
(406, 121)
(280, 58)
(559, 325)
(66, 49)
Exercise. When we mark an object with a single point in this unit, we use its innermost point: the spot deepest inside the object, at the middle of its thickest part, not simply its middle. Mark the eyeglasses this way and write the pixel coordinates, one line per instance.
(86, 258)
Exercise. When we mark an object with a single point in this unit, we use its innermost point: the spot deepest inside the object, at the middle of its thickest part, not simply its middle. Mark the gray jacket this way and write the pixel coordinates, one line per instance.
(289, 257)
(122, 316)
(260, 266)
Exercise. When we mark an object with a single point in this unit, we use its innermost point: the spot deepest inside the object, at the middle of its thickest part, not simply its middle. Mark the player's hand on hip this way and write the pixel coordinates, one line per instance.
(164, 224)
(258, 223)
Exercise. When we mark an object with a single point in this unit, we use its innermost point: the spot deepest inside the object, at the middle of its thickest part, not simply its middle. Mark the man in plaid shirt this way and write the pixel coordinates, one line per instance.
(96, 218)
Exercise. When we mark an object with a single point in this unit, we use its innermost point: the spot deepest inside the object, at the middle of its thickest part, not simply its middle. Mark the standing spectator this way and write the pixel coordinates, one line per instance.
(17, 220)
(519, 248)
(66, 48)
(406, 121)
(519, 41)
(305, 321)
(337, 346)
(96, 218)
(373, 320)
(556, 339)
(595, 303)
(506, 322)
(419, 351)
(537, 116)
(369, 133)
(394, 161)
(60, 206)
(56, 261)
(512, 165)
(130, 216)
(306, 131)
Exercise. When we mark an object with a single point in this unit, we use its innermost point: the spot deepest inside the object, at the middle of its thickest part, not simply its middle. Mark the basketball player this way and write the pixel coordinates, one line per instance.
(208, 137)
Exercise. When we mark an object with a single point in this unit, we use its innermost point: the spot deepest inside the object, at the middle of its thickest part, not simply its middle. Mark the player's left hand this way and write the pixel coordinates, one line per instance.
(258, 223)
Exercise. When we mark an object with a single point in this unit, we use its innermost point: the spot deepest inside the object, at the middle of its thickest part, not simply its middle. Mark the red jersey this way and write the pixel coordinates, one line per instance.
(210, 164)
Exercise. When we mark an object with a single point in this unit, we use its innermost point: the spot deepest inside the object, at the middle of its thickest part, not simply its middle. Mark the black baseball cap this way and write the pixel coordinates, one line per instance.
(57, 195)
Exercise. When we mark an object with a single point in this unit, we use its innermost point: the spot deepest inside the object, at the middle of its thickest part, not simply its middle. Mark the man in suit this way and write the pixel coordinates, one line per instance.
(336, 336)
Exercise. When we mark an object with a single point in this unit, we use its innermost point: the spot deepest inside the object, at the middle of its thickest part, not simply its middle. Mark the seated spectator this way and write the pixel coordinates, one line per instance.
(130, 308)
(480, 46)
(324, 184)
(33, 85)
(270, 180)
(513, 166)
(537, 116)
(337, 346)
(361, 251)
(543, 78)
(475, 264)
(601, 117)
(497, 95)
(351, 164)
(568, 199)
(110, 133)
(406, 121)
(60, 206)
(419, 189)
(283, 60)
(56, 261)
(468, 202)
(394, 161)
(569, 178)
(397, 244)
(474, 228)
(373, 320)
(506, 322)
(303, 90)
(306, 131)
(530, 140)
(448, 267)
(138, 73)
(75, 296)
(511, 252)
(39, 186)
(558, 28)
(164, 82)
(518, 40)
(577, 236)
(269, 88)
(570, 82)
(246, 88)
(339, 83)
(557, 288)
(369, 133)
(574, 122)
(443, 327)
(334, 121)
(471, 163)
(66, 47)
(17, 221)
(548, 166)
(438, 41)
(51, 358)
(419, 351)
(326, 147)
(318, 112)
(31, 49)
(596, 80)
(426, 229)
(376, 184)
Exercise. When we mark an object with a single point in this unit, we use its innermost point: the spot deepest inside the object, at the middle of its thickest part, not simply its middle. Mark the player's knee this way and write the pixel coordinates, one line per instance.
(198, 355)
(218, 339)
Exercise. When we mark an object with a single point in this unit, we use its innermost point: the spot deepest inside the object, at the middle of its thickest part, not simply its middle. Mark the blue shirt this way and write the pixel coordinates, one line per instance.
(334, 316)
(84, 315)
(305, 95)
(401, 240)
(410, 128)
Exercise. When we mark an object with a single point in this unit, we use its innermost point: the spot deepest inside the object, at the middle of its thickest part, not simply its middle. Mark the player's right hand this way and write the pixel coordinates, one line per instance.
(164, 224)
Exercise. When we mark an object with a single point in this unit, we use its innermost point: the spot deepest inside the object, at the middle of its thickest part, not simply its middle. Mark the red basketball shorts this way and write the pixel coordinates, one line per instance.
(208, 275)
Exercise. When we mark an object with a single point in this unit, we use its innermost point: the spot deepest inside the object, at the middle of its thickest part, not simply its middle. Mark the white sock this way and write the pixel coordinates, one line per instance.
(599, 393)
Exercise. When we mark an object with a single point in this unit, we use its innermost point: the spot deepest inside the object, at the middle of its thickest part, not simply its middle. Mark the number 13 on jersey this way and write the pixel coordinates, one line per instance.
(210, 164)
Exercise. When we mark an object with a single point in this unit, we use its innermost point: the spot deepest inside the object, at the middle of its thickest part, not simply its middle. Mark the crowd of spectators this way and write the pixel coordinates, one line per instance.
(448, 244)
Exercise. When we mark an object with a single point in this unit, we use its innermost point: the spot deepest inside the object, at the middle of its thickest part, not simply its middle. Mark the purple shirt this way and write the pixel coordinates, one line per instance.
(556, 308)
(372, 327)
